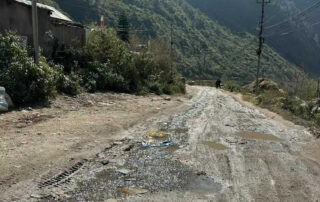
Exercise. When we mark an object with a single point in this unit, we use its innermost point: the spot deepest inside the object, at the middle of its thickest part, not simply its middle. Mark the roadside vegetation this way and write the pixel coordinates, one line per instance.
(106, 63)
(301, 107)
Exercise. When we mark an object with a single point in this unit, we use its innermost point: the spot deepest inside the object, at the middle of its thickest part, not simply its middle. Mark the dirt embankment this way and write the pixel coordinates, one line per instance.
(33, 141)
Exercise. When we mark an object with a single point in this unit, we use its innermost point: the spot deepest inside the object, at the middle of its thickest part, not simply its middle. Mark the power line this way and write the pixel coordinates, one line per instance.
(299, 15)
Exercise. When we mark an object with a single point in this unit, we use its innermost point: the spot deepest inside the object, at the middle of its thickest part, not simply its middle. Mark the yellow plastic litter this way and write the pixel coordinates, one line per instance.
(157, 134)
(132, 190)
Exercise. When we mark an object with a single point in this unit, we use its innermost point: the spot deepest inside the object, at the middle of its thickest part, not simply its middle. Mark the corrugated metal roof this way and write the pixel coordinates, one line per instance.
(54, 12)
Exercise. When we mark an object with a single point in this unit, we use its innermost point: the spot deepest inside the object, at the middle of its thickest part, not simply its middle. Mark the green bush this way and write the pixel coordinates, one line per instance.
(114, 67)
(100, 76)
(155, 88)
(317, 119)
(24, 81)
(68, 84)
(232, 86)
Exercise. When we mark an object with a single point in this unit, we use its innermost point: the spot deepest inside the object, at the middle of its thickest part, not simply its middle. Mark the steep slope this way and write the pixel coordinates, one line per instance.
(297, 40)
(203, 48)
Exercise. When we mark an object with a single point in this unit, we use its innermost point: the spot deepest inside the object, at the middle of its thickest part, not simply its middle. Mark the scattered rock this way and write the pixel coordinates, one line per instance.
(3, 102)
(130, 179)
(21, 125)
(111, 200)
(128, 148)
(263, 84)
(124, 171)
(105, 162)
(9, 100)
(132, 190)
(35, 196)
(90, 102)
(167, 98)
(103, 103)
(201, 173)
(117, 143)
(39, 134)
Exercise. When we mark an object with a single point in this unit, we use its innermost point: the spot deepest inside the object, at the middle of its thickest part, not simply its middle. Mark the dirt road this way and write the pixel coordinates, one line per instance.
(216, 150)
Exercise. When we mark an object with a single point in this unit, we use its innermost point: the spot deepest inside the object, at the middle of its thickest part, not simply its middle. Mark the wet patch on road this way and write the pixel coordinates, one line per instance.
(153, 167)
(204, 185)
(258, 136)
(214, 145)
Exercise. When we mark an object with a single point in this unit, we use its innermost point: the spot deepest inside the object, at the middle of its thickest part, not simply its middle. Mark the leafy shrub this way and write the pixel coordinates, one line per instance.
(155, 88)
(317, 119)
(99, 76)
(27, 82)
(114, 67)
(24, 81)
(68, 84)
(232, 86)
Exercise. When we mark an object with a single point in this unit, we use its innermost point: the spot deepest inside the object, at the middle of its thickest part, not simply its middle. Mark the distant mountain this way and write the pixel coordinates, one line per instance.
(297, 40)
(203, 48)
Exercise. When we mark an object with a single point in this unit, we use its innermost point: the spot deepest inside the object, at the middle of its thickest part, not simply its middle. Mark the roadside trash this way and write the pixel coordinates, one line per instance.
(33, 118)
(124, 171)
(3, 102)
(132, 190)
(157, 134)
(164, 144)
(144, 144)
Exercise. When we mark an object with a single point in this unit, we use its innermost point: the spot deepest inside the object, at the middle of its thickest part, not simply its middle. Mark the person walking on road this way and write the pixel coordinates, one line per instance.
(218, 83)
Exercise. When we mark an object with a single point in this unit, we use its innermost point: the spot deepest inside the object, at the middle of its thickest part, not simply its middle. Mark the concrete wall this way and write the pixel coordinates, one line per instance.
(18, 17)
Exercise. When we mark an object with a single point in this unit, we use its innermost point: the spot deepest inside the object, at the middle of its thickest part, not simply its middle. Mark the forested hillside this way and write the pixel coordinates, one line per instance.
(297, 39)
(203, 49)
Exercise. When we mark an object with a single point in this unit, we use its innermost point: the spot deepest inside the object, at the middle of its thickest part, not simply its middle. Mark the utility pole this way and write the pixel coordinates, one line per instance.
(35, 29)
(261, 39)
(318, 89)
(171, 50)
(204, 60)
(205, 52)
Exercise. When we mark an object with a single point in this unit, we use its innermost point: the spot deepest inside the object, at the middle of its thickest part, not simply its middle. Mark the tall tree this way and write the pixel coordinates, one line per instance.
(123, 27)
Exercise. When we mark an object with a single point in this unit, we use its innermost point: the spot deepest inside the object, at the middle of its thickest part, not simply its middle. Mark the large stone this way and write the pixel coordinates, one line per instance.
(3, 102)
(9, 100)
(263, 84)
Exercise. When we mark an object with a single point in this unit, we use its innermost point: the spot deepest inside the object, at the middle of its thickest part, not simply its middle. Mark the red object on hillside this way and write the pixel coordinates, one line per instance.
(101, 21)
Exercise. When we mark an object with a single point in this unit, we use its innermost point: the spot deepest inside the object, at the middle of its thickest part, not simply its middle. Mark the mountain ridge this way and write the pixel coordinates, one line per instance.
(203, 48)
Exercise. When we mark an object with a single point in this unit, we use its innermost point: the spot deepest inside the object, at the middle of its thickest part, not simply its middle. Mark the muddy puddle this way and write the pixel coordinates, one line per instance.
(258, 136)
(214, 145)
(204, 185)
(147, 167)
